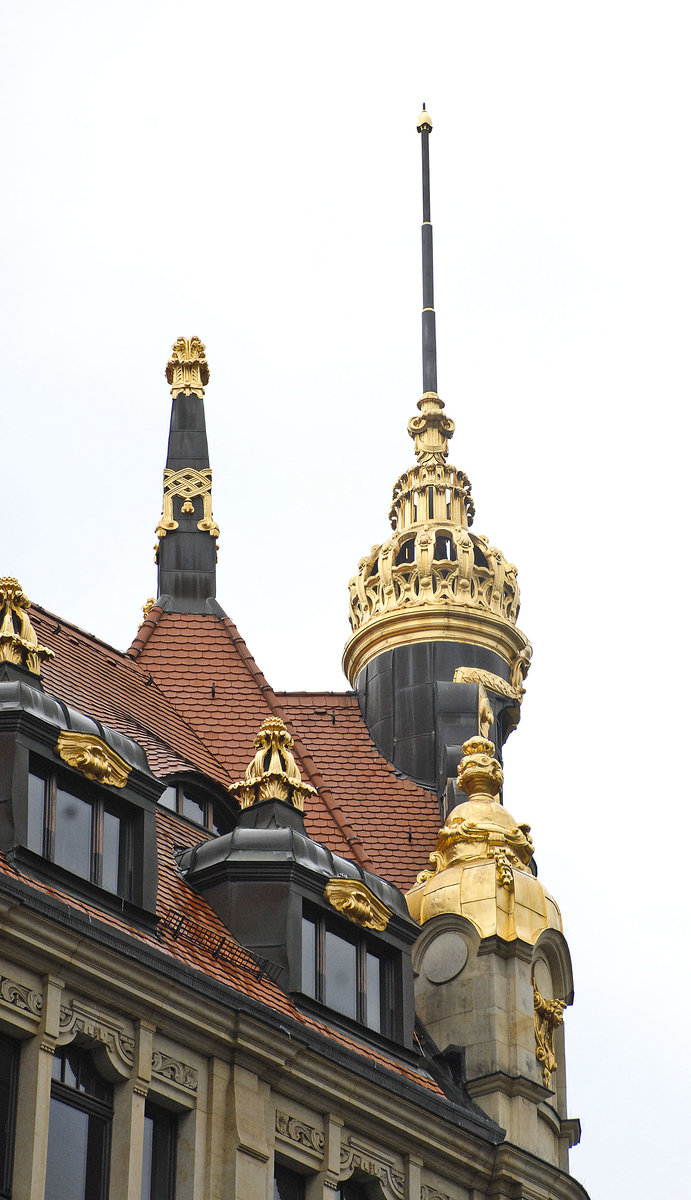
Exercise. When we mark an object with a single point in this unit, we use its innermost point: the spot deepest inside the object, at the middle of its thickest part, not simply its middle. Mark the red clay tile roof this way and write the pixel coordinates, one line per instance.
(204, 667)
(103, 683)
(174, 893)
(399, 821)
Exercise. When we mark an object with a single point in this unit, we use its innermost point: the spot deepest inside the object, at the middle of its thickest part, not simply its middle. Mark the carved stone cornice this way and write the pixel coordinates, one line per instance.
(549, 1014)
(273, 773)
(356, 902)
(93, 757)
(18, 641)
(358, 1156)
(187, 369)
(103, 1032)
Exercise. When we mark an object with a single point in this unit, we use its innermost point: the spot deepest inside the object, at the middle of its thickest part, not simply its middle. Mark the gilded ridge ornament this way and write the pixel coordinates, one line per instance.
(93, 757)
(549, 1015)
(356, 902)
(187, 483)
(273, 773)
(18, 641)
(187, 369)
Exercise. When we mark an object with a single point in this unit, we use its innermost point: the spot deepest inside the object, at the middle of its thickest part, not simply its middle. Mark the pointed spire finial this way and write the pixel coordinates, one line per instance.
(429, 331)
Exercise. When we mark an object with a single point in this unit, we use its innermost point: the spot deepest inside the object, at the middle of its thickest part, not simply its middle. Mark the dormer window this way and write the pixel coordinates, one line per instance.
(195, 804)
(78, 828)
(345, 971)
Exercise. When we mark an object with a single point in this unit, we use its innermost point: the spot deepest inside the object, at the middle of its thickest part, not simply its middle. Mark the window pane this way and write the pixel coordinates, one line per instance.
(37, 812)
(288, 1185)
(169, 798)
(340, 972)
(373, 998)
(158, 1167)
(73, 833)
(68, 1137)
(111, 851)
(8, 1098)
(309, 951)
(192, 809)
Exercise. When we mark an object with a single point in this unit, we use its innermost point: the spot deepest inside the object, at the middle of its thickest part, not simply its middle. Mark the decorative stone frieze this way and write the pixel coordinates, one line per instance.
(299, 1132)
(18, 995)
(79, 1020)
(167, 1067)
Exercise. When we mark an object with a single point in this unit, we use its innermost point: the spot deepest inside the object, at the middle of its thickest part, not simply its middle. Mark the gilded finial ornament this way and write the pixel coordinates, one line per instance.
(18, 641)
(273, 773)
(187, 369)
(93, 757)
(481, 866)
(146, 609)
(549, 1015)
(356, 902)
(424, 121)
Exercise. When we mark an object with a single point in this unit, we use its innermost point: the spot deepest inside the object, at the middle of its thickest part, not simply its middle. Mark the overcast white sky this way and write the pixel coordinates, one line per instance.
(250, 174)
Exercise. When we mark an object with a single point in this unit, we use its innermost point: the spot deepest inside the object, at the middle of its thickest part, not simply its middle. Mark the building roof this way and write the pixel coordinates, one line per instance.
(364, 810)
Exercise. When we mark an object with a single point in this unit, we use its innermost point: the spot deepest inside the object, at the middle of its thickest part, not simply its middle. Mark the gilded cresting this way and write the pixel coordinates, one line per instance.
(434, 580)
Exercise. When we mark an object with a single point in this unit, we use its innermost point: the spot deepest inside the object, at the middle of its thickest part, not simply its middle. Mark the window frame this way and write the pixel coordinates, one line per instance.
(9, 1050)
(365, 947)
(100, 805)
(94, 1108)
(161, 1182)
(213, 820)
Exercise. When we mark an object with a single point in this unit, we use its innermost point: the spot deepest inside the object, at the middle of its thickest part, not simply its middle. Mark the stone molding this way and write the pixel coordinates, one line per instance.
(174, 1071)
(356, 1155)
(79, 1020)
(18, 995)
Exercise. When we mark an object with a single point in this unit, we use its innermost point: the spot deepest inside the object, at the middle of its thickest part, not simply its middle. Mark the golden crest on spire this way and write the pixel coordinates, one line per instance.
(187, 369)
(273, 773)
(18, 641)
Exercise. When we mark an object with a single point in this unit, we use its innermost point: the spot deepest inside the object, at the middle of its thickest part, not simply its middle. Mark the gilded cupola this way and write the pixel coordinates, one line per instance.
(435, 654)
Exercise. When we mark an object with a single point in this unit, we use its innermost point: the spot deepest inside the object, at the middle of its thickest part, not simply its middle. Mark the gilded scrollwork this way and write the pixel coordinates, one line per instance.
(18, 641)
(93, 757)
(549, 1014)
(20, 996)
(356, 902)
(299, 1132)
(187, 369)
(273, 773)
(174, 1070)
(188, 483)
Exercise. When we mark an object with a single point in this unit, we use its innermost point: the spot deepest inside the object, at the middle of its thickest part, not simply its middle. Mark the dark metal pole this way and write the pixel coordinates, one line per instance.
(429, 330)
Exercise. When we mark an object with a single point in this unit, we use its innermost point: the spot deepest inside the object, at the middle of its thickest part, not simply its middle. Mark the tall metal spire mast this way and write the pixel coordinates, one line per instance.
(429, 330)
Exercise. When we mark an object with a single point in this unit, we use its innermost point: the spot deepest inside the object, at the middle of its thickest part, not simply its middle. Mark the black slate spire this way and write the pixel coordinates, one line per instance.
(187, 532)
(429, 331)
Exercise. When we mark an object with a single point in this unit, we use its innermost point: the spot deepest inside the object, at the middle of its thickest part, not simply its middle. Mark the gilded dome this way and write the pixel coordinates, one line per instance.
(481, 865)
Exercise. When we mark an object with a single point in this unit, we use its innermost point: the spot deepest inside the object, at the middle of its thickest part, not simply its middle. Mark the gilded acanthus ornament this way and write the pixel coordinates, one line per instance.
(187, 483)
(187, 369)
(356, 902)
(18, 641)
(431, 431)
(93, 757)
(549, 1015)
(273, 773)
